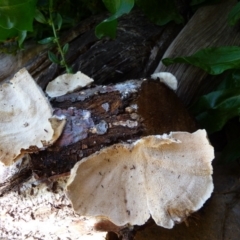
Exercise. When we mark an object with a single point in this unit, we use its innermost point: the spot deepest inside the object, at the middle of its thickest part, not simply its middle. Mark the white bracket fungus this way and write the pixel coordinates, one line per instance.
(164, 177)
(67, 83)
(167, 78)
(26, 121)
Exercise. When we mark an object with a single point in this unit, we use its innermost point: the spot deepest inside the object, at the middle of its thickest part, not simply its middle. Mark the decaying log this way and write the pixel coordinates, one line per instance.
(135, 52)
(108, 115)
(104, 115)
(34, 200)
(207, 28)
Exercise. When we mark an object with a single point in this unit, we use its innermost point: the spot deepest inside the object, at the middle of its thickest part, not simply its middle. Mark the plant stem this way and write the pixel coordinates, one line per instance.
(63, 60)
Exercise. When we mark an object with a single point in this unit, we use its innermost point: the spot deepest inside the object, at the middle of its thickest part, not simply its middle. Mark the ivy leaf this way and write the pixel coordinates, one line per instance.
(13, 33)
(53, 58)
(7, 33)
(234, 15)
(18, 14)
(108, 27)
(216, 108)
(212, 60)
(46, 40)
(160, 11)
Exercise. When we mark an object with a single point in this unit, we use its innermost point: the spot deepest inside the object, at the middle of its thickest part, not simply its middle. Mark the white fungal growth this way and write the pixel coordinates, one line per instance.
(67, 83)
(26, 122)
(167, 78)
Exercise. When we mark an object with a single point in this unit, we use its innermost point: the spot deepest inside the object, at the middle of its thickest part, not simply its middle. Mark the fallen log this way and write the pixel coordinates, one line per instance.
(39, 211)
(107, 114)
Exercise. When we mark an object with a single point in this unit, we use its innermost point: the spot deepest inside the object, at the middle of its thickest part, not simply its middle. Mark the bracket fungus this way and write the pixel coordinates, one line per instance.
(67, 83)
(26, 120)
(166, 177)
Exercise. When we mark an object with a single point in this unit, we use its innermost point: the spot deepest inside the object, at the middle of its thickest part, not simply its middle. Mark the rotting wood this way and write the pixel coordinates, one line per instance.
(122, 112)
(40, 202)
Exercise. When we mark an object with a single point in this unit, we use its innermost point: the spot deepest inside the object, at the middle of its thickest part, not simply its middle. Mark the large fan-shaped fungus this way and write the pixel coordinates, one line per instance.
(26, 121)
(166, 177)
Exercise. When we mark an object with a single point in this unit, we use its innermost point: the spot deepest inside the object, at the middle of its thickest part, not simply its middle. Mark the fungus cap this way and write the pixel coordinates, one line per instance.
(166, 177)
(67, 83)
(25, 116)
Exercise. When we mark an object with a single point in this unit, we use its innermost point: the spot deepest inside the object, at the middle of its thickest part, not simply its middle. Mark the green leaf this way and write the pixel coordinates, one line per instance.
(232, 80)
(65, 48)
(160, 11)
(7, 33)
(117, 8)
(21, 37)
(58, 21)
(231, 152)
(46, 40)
(106, 29)
(216, 108)
(53, 58)
(18, 14)
(234, 15)
(39, 17)
(212, 60)
(214, 120)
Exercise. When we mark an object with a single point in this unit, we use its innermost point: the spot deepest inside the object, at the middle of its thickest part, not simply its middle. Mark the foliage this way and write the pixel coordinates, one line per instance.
(117, 8)
(212, 60)
(215, 109)
(160, 11)
(16, 18)
(234, 15)
(219, 109)
(55, 20)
